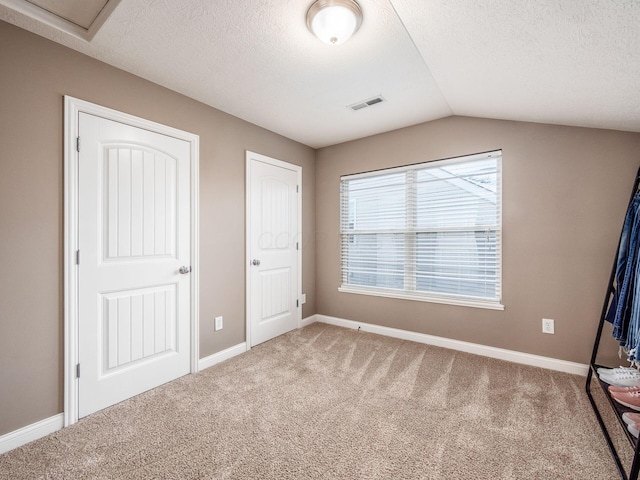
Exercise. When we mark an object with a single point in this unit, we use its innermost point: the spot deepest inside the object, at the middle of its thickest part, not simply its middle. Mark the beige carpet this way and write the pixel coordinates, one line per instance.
(330, 403)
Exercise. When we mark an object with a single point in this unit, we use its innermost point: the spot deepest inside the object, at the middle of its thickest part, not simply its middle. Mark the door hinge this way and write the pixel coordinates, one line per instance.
(77, 257)
(78, 370)
(78, 144)
(297, 246)
(297, 303)
(297, 188)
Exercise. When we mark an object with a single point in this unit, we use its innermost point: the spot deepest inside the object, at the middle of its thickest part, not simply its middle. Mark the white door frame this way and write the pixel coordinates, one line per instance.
(298, 169)
(73, 107)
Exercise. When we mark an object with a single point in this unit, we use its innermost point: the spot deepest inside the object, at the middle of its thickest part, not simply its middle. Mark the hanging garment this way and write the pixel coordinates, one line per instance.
(632, 342)
(619, 311)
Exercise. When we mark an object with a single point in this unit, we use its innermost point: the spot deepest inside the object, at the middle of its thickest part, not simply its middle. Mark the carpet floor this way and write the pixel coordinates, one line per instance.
(325, 402)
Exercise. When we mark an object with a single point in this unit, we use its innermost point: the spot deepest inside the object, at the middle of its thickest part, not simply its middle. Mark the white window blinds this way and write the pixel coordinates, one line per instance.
(430, 231)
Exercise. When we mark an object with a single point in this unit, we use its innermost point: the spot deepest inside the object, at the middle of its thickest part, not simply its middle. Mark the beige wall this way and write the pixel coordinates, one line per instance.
(34, 76)
(565, 191)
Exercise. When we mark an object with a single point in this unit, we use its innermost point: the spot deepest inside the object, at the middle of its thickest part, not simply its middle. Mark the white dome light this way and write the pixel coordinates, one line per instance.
(334, 21)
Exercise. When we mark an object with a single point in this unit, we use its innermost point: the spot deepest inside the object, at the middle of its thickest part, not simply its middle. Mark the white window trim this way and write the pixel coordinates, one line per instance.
(380, 292)
(425, 297)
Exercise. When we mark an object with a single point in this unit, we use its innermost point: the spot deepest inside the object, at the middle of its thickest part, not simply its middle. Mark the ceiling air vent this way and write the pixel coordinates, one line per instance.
(366, 103)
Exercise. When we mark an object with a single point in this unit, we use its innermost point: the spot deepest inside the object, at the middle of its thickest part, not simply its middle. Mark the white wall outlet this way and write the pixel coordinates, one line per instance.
(303, 299)
(548, 326)
(219, 323)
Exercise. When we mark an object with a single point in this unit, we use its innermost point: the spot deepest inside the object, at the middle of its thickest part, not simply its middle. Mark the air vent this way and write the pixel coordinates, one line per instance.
(366, 103)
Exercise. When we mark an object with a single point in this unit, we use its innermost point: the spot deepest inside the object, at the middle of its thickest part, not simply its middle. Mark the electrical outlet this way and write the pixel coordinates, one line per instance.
(303, 299)
(548, 326)
(219, 324)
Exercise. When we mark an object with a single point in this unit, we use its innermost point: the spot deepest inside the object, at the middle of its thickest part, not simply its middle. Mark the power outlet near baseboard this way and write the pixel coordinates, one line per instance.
(548, 326)
(218, 323)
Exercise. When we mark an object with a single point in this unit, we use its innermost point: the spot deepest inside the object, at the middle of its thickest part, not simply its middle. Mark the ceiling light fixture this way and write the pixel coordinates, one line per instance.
(334, 21)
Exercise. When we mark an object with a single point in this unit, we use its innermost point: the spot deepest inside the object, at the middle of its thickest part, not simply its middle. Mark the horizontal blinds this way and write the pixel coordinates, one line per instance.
(431, 229)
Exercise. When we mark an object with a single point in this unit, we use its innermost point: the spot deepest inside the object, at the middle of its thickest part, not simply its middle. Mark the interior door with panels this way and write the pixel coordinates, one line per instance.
(273, 246)
(135, 251)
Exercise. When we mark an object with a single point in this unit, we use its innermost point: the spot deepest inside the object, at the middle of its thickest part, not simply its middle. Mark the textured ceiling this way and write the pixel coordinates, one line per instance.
(573, 62)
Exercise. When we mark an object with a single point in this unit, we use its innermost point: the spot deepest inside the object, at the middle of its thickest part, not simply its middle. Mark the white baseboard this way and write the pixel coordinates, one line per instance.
(49, 425)
(216, 358)
(32, 432)
(307, 321)
(44, 427)
(484, 350)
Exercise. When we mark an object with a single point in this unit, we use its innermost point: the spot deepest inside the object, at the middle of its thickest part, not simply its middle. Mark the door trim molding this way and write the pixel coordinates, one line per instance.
(72, 109)
(290, 166)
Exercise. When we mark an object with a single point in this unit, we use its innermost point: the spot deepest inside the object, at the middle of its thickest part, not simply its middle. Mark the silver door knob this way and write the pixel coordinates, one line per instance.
(184, 270)
(256, 262)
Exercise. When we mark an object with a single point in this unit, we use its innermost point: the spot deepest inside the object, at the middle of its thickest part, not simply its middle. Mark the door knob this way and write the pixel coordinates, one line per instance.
(256, 262)
(184, 270)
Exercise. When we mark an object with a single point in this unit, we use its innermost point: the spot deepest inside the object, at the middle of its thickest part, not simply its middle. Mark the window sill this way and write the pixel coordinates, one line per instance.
(462, 302)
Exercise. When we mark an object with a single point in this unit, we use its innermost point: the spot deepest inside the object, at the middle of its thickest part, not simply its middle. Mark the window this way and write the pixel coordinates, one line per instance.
(429, 232)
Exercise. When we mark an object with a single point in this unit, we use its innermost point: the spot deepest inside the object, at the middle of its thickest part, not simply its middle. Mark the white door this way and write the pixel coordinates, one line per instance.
(273, 247)
(134, 236)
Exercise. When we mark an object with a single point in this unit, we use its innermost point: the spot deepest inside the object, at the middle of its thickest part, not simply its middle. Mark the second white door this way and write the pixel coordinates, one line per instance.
(273, 247)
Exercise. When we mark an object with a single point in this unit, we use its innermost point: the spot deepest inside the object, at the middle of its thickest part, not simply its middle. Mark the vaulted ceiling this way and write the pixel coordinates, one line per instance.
(569, 62)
